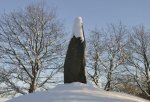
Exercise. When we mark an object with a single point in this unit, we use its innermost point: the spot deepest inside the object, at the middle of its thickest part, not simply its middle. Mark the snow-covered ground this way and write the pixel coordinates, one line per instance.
(3, 99)
(77, 92)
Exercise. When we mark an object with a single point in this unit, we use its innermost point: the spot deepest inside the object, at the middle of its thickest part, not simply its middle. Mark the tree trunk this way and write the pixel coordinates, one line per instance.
(35, 69)
(109, 76)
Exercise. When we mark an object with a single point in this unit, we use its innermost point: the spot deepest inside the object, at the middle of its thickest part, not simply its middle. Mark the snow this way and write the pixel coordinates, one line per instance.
(77, 92)
(78, 28)
(3, 99)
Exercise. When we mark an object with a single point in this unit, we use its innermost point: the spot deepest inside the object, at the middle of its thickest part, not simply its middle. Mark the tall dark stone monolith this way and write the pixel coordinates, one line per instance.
(74, 67)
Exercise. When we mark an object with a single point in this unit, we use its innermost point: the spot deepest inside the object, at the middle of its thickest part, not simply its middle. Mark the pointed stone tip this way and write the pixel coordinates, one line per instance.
(78, 28)
(79, 19)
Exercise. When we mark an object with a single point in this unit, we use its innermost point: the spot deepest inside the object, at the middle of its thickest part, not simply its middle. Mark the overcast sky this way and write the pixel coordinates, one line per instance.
(94, 12)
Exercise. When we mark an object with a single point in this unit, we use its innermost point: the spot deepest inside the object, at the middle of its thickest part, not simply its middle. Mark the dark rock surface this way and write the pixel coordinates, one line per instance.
(74, 67)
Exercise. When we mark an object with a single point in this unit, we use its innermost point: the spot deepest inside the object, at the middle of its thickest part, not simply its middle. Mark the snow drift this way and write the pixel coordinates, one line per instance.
(77, 92)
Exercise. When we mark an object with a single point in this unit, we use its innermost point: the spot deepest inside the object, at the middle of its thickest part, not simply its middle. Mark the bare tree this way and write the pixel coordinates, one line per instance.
(95, 48)
(108, 54)
(138, 63)
(114, 53)
(31, 43)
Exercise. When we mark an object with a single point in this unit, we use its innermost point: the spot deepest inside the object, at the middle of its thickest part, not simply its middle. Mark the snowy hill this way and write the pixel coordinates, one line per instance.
(76, 92)
(3, 99)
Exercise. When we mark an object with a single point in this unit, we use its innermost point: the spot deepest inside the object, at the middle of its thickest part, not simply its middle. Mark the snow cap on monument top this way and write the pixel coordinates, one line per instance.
(78, 28)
